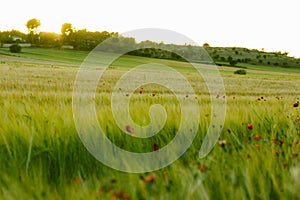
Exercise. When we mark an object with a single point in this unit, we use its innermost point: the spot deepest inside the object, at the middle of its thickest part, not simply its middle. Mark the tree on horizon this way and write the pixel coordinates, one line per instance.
(32, 26)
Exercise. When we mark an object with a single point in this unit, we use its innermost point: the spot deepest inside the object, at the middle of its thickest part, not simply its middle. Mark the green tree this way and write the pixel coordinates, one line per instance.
(206, 45)
(15, 48)
(240, 71)
(33, 32)
(7, 36)
(233, 62)
(67, 29)
(67, 32)
(49, 39)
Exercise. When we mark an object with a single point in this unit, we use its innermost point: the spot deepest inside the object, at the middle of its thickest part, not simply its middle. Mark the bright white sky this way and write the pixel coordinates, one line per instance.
(270, 24)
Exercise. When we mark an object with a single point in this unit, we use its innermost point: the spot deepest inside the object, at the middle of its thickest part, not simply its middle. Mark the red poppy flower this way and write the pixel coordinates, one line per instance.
(276, 152)
(119, 195)
(222, 143)
(257, 137)
(150, 178)
(77, 180)
(202, 167)
(129, 129)
(294, 156)
(277, 141)
(154, 146)
(250, 126)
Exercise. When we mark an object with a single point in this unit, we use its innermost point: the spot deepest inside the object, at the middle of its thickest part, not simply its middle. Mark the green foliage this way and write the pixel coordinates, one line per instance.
(253, 56)
(67, 29)
(32, 26)
(206, 45)
(240, 71)
(233, 62)
(49, 39)
(216, 57)
(15, 48)
(87, 40)
(247, 60)
(7, 36)
(67, 34)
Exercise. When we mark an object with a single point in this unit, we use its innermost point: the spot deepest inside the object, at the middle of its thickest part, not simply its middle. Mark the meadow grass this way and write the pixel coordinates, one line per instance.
(42, 156)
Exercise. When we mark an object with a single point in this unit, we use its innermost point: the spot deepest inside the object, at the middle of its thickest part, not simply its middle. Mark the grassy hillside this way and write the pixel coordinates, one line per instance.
(48, 55)
(242, 56)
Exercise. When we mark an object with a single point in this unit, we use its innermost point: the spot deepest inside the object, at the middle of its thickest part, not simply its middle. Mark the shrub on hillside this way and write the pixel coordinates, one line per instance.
(284, 64)
(233, 62)
(15, 48)
(241, 71)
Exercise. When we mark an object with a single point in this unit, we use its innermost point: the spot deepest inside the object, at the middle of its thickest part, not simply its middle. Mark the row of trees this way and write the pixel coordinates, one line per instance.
(78, 39)
(87, 40)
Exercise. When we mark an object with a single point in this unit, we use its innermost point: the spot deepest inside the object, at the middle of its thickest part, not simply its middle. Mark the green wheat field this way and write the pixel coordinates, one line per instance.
(42, 156)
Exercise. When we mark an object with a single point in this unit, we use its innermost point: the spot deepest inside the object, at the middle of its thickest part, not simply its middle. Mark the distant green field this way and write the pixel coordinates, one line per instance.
(50, 55)
(42, 156)
(77, 57)
(66, 57)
